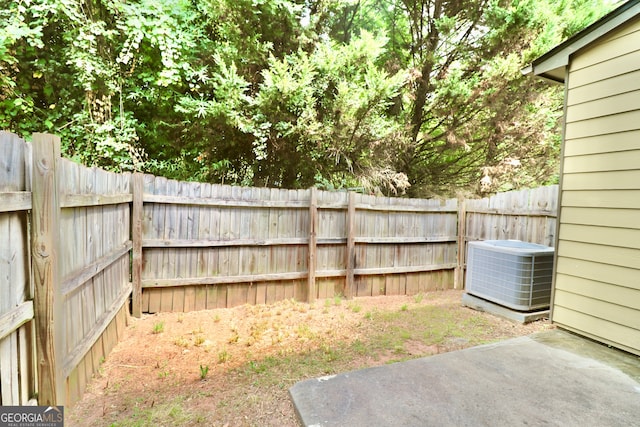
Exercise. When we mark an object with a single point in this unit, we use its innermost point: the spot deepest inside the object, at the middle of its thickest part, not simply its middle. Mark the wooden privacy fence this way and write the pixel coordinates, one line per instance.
(208, 246)
(78, 244)
(69, 280)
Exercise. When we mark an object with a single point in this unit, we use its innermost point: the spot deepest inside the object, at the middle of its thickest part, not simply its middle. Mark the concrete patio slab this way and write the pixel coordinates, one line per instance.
(553, 378)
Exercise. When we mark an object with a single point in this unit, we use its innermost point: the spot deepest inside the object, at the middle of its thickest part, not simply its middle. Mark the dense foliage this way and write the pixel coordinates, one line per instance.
(420, 97)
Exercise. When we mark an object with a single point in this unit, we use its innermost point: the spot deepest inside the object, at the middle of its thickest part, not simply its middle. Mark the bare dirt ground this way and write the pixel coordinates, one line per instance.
(233, 367)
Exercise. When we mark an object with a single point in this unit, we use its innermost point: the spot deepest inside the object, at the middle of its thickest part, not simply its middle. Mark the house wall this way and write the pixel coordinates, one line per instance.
(597, 290)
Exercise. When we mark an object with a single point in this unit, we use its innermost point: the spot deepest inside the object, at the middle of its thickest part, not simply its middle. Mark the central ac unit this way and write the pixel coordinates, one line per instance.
(511, 273)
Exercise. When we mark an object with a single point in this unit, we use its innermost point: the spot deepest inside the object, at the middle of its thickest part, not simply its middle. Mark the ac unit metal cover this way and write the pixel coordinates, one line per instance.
(511, 273)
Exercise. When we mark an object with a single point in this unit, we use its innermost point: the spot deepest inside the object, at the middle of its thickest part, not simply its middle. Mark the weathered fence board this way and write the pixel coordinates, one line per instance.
(17, 340)
(94, 264)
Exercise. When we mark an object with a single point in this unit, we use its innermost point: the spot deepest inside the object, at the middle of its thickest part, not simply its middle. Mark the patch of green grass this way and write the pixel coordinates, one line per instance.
(158, 327)
(331, 354)
(427, 325)
(172, 413)
(355, 307)
(417, 298)
(404, 307)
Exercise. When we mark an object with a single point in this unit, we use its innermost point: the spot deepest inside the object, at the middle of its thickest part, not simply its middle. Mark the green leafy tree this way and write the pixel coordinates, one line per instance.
(389, 95)
(86, 70)
(475, 123)
(328, 112)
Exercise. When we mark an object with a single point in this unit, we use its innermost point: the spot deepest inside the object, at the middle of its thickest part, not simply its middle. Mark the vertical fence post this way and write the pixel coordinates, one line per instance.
(351, 246)
(313, 239)
(136, 237)
(462, 231)
(48, 304)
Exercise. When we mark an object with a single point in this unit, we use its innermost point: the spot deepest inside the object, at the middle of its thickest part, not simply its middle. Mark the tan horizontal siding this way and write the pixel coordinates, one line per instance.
(616, 104)
(625, 277)
(597, 285)
(624, 122)
(613, 199)
(606, 50)
(625, 141)
(601, 291)
(614, 180)
(626, 29)
(604, 70)
(614, 313)
(623, 257)
(604, 88)
(603, 217)
(603, 330)
(616, 161)
(620, 237)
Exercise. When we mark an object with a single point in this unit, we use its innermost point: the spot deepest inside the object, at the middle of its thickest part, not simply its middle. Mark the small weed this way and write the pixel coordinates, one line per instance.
(359, 347)
(304, 331)
(399, 349)
(234, 337)
(114, 388)
(181, 342)
(158, 327)
(418, 298)
(258, 330)
(337, 300)
(330, 354)
(177, 413)
(216, 318)
(256, 367)
(223, 356)
(163, 374)
(404, 307)
(198, 340)
(181, 318)
(355, 307)
(368, 315)
(204, 370)
(327, 303)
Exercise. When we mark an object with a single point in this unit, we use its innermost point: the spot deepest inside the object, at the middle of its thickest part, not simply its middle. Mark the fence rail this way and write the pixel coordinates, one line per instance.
(78, 244)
